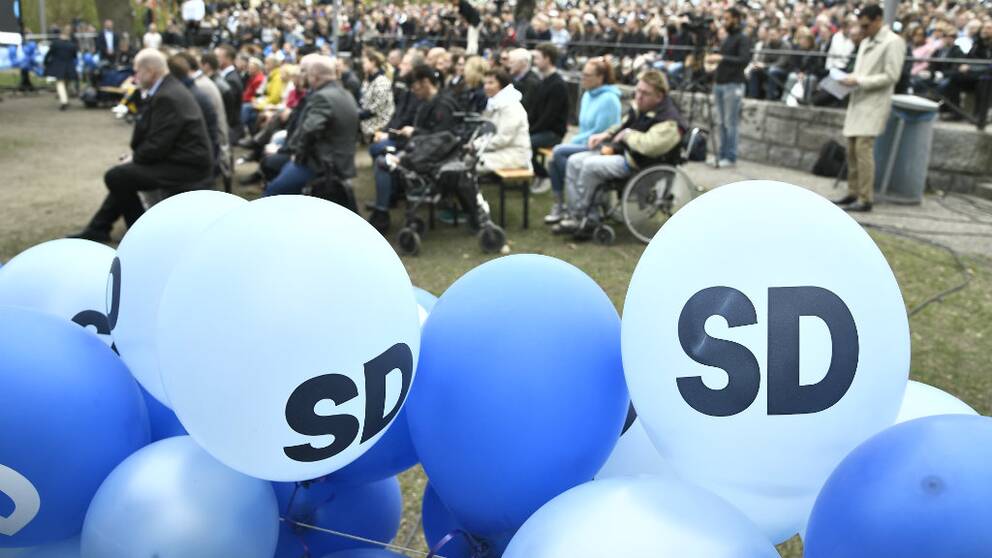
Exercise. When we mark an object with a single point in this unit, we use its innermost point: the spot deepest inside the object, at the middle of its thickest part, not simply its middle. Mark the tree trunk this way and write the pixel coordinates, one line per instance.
(122, 14)
(522, 14)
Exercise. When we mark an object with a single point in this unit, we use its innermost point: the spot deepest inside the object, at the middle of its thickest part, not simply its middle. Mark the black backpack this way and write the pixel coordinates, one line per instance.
(832, 161)
(424, 154)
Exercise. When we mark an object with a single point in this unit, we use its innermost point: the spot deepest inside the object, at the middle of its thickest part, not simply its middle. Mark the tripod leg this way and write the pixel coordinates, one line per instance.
(714, 132)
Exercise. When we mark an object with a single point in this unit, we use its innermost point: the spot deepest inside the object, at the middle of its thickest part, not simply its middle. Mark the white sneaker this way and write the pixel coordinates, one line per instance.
(540, 186)
(557, 214)
(726, 163)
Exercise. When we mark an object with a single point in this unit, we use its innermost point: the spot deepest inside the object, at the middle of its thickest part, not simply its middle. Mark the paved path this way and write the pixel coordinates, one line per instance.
(961, 222)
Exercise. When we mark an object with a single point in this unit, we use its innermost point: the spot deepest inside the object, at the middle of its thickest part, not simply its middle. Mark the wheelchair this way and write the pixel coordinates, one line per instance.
(643, 202)
(456, 176)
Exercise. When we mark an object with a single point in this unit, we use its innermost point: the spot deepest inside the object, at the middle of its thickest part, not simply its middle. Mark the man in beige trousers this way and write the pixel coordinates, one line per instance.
(876, 71)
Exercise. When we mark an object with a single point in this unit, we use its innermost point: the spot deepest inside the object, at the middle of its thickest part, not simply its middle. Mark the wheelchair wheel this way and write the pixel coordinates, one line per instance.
(491, 239)
(604, 234)
(651, 197)
(409, 241)
(416, 224)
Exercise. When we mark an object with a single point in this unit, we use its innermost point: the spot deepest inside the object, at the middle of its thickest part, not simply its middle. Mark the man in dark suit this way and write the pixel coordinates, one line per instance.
(170, 146)
(524, 79)
(107, 42)
(324, 138)
(232, 102)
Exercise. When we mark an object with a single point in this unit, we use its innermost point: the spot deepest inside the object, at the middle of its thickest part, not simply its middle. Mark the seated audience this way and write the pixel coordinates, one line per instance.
(435, 114)
(324, 139)
(599, 109)
(510, 147)
(377, 93)
(170, 146)
(650, 134)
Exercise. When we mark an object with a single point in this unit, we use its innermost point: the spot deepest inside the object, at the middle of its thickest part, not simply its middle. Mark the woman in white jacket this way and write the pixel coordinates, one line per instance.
(510, 148)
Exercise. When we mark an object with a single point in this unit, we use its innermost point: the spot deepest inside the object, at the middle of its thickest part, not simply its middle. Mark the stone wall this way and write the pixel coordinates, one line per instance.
(777, 134)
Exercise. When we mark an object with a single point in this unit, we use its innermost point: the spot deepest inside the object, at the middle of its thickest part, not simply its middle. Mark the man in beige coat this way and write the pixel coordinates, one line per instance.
(876, 71)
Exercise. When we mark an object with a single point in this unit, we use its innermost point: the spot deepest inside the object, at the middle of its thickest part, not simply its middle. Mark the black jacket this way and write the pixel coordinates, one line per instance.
(324, 136)
(736, 51)
(60, 60)
(209, 114)
(171, 129)
(406, 106)
(549, 111)
(232, 102)
(527, 86)
(107, 52)
(436, 115)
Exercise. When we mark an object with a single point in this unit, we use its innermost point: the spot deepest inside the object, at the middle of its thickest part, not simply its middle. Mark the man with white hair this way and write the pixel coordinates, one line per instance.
(524, 80)
(323, 143)
(170, 148)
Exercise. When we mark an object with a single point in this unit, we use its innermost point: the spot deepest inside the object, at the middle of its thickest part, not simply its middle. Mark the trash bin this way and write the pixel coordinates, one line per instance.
(902, 152)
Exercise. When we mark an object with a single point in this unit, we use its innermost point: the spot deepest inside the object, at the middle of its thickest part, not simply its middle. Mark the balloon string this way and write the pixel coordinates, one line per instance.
(478, 550)
(357, 538)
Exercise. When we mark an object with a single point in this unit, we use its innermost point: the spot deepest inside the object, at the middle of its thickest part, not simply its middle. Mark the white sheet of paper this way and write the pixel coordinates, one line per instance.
(834, 87)
(837, 74)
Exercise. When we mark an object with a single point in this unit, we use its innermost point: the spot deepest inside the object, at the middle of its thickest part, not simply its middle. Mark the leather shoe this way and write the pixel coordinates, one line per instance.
(92, 234)
(859, 206)
(846, 200)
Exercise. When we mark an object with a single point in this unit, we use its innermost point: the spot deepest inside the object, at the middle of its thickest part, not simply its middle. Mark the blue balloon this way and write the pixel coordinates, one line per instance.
(520, 393)
(439, 523)
(164, 422)
(172, 499)
(71, 412)
(68, 548)
(371, 511)
(365, 553)
(390, 456)
(920, 489)
(298, 500)
(425, 298)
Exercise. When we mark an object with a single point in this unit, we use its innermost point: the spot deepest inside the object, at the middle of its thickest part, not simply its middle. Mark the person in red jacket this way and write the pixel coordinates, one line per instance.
(253, 87)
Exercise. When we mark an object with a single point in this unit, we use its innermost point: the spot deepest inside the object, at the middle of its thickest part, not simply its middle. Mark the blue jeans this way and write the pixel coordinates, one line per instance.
(542, 139)
(383, 183)
(248, 116)
(559, 164)
(728, 109)
(291, 180)
(379, 147)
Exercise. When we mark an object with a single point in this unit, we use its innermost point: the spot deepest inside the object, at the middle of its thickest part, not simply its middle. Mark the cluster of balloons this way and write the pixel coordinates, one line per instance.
(755, 388)
(174, 398)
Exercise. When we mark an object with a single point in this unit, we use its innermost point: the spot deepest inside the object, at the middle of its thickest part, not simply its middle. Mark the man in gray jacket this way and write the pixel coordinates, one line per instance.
(324, 140)
(876, 71)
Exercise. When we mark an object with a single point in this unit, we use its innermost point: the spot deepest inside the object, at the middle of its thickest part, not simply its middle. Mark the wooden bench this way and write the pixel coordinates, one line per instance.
(514, 179)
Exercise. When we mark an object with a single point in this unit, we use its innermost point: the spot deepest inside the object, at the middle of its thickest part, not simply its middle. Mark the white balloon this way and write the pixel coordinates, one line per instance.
(638, 517)
(145, 258)
(922, 400)
(288, 338)
(634, 455)
(727, 254)
(65, 277)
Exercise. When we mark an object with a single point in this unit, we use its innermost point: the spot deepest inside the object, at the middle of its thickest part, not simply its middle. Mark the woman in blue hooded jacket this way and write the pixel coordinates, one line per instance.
(599, 109)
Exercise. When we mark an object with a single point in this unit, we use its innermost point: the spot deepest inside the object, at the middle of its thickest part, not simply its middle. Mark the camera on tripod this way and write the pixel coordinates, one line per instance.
(697, 23)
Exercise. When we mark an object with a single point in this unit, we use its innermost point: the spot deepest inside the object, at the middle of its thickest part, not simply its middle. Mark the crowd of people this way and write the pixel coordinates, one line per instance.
(300, 110)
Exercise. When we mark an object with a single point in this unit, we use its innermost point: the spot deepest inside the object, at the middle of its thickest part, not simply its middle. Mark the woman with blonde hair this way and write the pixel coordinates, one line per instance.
(377, 93)
(470, 93)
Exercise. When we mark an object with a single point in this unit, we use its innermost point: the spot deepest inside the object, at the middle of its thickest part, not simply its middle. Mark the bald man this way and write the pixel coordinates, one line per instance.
(170, 148)
(325, 136)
